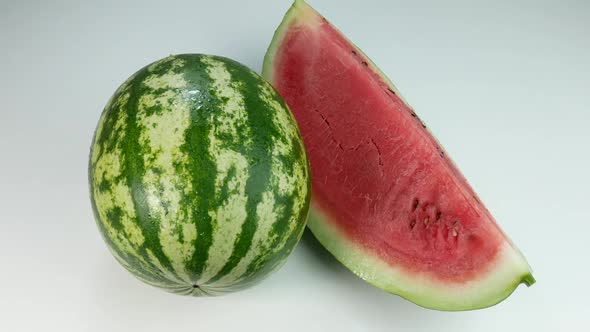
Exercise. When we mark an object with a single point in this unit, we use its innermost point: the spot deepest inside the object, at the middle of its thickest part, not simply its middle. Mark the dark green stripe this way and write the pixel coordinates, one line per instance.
(262, 133)
(201, 164)
(204, 119)
(106, 141)
(266, 262)
(284, 203)
(134, 169)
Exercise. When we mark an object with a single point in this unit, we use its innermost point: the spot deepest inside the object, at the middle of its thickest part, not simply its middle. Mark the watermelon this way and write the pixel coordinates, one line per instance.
(198, 176)
(387, 201)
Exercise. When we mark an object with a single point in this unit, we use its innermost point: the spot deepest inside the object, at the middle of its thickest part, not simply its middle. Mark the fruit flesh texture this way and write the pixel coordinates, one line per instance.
(378, 174)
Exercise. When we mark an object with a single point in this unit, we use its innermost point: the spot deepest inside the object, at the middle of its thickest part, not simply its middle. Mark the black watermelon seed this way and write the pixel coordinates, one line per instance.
(415, 204)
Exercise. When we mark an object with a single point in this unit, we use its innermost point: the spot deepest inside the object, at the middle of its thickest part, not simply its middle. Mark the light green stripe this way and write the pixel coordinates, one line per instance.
(107, 169)
(267, 216)
(288, 177)
(164, 118)
(231, 214)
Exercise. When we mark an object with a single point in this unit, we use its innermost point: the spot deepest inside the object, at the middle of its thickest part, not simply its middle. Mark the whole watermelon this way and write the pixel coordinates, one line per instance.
(199, 180)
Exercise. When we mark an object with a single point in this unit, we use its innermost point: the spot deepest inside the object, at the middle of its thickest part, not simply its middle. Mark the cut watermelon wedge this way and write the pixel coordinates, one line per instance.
(387, 201)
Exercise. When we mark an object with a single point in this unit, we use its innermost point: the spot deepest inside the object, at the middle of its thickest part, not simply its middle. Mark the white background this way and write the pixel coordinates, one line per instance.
(503, 84)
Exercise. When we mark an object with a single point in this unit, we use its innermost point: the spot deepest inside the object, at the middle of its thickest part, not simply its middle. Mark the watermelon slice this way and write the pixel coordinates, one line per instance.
(387, 201)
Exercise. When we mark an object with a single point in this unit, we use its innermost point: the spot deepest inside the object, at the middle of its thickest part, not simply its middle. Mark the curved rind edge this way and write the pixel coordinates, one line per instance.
(496, 285)
(361, 263)
(297, 10)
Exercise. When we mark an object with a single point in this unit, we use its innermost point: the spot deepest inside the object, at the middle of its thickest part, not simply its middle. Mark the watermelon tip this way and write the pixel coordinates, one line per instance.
(528, 280)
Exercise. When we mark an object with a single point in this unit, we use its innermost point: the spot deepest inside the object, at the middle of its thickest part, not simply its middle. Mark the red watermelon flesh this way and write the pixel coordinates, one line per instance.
(386, 199)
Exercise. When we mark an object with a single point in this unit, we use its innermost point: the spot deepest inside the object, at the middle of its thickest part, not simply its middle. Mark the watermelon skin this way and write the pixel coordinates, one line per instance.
(198, 177)
(386, 199)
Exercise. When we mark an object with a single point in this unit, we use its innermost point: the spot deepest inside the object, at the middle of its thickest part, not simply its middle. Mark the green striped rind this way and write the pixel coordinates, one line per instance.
(198, 177)
(509, 270)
